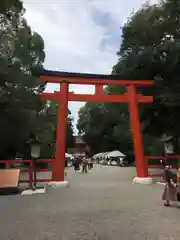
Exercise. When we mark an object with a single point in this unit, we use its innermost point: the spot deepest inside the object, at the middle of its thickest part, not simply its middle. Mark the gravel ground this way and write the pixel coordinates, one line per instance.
(103, 204)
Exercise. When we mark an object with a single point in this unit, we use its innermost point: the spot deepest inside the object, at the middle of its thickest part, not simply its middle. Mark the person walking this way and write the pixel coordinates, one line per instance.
(84, 165)
(170, 188)
(76, 164)
(90, 163)
(178, 185)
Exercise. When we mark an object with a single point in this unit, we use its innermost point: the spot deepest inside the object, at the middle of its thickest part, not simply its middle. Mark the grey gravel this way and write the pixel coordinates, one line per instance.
(103, 204)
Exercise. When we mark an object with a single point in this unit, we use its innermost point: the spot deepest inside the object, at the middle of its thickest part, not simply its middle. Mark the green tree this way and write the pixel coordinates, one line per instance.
(150, 50)
(21, 53)
(23, 114)
(46, 128)
(153, 53)
(104, 127)
(70, 133)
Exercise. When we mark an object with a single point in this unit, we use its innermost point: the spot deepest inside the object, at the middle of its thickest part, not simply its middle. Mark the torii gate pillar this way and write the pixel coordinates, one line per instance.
(59, 160)
(63, 96)
(141, 164)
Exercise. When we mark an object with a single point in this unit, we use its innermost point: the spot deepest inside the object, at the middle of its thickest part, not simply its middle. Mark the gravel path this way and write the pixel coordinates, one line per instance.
(103, 204)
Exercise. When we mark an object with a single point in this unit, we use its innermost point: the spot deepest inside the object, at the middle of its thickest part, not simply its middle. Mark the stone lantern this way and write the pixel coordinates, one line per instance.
(168, 142)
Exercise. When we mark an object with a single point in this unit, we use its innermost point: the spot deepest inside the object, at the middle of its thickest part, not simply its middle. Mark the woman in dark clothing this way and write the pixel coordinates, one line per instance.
(90, 163)
(76, 164)
(170, 188)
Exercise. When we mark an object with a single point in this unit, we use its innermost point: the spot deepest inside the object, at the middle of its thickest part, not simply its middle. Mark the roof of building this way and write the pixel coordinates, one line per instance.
(79, 139)
(80, 75)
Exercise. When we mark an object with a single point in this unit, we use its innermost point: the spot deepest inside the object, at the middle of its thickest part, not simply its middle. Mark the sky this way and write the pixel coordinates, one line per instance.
(80, 36)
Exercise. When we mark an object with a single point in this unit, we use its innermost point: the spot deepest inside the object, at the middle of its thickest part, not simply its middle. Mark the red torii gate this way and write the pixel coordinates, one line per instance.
(63, 96)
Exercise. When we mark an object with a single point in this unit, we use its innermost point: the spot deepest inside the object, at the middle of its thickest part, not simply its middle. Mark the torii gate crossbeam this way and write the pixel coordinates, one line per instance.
(63, 96)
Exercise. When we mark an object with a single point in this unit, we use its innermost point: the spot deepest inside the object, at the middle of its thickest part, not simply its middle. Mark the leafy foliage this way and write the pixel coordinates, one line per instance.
(45, 129)
(150, 49)
(105, 128)
(22, 113)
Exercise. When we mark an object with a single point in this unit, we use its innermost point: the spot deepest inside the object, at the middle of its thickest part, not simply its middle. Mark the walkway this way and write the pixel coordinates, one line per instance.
(103, 204)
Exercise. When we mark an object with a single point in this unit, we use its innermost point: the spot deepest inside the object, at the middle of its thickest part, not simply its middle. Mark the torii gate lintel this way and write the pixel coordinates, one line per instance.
(63, 96)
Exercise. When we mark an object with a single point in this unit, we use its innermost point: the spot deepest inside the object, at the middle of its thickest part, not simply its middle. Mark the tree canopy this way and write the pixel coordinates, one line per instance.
(46, 126)
(22, 113)
(104, 127)
(149, 51)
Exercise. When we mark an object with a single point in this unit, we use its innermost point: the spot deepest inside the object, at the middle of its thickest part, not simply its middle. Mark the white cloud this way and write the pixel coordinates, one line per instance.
(73, 39)
(120, 9)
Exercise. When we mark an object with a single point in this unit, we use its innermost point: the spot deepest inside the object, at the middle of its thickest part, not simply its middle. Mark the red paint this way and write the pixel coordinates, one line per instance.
(7, 161)
(155, 157)
(29, 170)
(105, 98)
(155, 166)
(49, 96)
(100, 96)
(141, 163)
(42, 170)
(174, 156)
(59, 160)
(78, 80)
(159, 166)
(44, 179)
(97, 98)
(99, 90)
(63, 96)
(156, 175)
